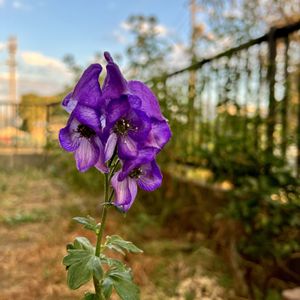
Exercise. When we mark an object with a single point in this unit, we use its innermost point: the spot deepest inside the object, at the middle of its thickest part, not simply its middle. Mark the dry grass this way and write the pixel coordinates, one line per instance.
(35, 226)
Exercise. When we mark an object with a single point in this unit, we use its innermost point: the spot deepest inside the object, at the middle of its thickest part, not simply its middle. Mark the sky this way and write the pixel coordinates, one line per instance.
(46, 30)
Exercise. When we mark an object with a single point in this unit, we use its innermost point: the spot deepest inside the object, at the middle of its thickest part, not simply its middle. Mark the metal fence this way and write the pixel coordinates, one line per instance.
(244, 101)
(28, 128)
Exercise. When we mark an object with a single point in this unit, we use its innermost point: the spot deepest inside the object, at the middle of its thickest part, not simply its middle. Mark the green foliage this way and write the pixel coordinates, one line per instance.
(73, 66)
(22, 218)
(116, 243)
(82, 263)
(65, 168)
(268, 215)
(123, 284)
(90, 296)
(88, 223)
(148, 50)
(111, 274)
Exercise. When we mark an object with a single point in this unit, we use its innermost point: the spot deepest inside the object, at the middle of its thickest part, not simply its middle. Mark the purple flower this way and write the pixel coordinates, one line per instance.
(87, 91)
(127, 128)
(141, 107)
(114, 84)
(149, 102)
(160, 132)
(81, 136)
(123, 118)
(142, 171)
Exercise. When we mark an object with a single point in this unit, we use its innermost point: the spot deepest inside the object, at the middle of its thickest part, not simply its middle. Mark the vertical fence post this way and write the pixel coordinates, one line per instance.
(47, 125)
(285, 100)
(298, 123)
(246, 102)
(191, 110)
(271, 118)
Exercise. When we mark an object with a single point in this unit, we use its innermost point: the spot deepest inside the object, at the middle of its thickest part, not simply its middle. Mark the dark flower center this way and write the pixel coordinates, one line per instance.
(122, 126)
(136, 173)
(85, 131)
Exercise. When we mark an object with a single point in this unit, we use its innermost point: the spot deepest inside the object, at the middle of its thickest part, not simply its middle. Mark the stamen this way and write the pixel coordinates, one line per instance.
(122, 127)
(136, 173)
(85, 131)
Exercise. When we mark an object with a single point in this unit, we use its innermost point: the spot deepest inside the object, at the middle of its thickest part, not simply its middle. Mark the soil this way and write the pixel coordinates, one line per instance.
(35, 225)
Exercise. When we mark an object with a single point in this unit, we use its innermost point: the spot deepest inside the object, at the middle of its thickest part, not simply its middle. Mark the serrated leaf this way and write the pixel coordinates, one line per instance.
(123, 284)
(88, 223)
(83, 243)
(79, 273)
(82, 263)
(74, 256)
(116, 243)
(113, 263)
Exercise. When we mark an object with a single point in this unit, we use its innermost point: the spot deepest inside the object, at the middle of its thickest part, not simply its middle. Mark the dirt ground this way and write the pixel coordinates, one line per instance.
(35, 226)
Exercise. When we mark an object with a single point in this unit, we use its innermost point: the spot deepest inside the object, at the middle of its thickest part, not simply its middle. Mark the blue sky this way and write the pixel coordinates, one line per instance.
(49, 29)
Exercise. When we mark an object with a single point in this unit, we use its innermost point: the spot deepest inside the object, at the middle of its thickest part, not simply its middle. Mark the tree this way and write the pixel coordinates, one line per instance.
(149, 47)
(73, 66)
(235, 21)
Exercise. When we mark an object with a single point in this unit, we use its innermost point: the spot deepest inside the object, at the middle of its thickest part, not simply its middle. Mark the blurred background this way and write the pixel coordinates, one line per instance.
(226, 222)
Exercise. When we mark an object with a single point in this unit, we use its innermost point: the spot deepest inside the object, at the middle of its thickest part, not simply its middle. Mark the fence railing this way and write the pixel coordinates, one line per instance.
(28, 128)
(240, 104)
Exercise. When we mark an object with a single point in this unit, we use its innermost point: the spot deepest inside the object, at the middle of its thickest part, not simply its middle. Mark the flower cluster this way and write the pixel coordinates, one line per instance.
(122, 120)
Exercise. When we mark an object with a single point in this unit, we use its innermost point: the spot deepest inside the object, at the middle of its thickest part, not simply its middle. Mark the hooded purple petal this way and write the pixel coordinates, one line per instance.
(145, 156)
(159, 135)
(69, 138)
(87, 116)
(87, 91)
(69, 103)
(86, 155)
(140, 125)
(101, 165)
(127, 147)
(114, 84)
(134, 101)
(125, 191)
(151, 177)
(149, 102)
(116, 109)
(110, 146)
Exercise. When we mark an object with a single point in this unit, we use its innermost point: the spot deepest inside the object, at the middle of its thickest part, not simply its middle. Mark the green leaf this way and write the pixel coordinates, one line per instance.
(82, 263)
(79, 273)
(90, 296)
(83, 243)
(113, 263)
(88, 223)
(123, 284)
(116, 243)
(74, 256)
(107, 287)
(95, 264)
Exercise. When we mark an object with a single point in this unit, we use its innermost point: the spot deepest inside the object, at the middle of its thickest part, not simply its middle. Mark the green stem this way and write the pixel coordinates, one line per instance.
(100, 234)
(103, 218)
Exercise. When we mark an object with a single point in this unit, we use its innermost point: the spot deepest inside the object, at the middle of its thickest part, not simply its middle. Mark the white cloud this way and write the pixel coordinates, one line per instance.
(2, 45)
(2, 2)
(37, 73)
(42, 74)
(145, 27)
(40, 60)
